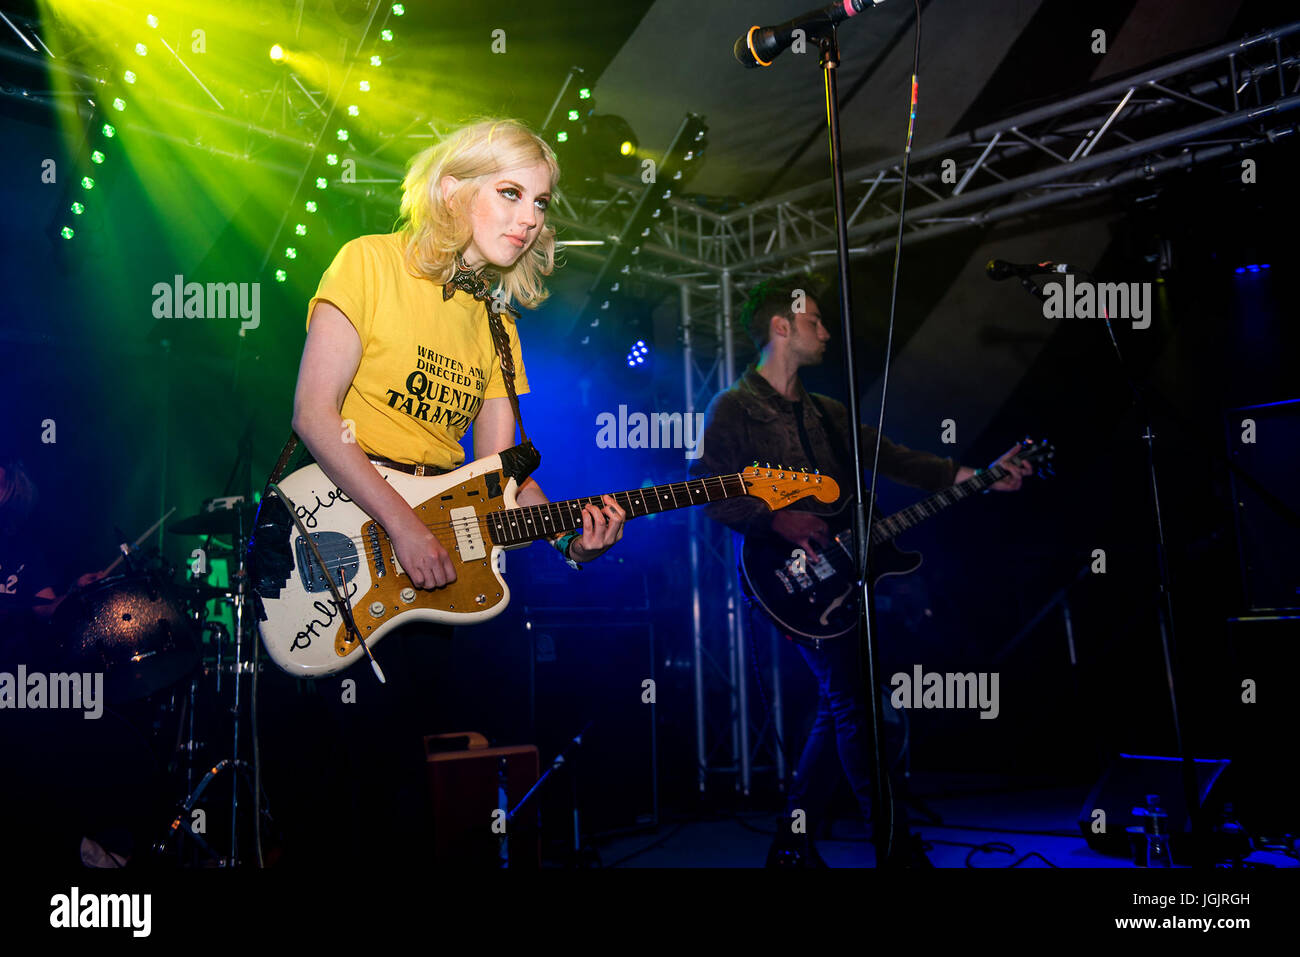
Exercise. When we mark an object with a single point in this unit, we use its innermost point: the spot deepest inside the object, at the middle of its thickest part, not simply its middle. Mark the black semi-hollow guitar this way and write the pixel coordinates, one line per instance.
(815, 600)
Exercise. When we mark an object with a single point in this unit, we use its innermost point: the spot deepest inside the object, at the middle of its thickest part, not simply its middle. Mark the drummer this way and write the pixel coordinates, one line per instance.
(26, 569)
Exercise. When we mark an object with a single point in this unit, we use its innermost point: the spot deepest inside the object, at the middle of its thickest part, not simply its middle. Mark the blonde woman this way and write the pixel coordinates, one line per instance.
(398, 348)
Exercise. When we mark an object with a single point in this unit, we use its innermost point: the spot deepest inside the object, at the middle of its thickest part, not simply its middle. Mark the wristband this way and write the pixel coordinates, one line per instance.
(562, 545)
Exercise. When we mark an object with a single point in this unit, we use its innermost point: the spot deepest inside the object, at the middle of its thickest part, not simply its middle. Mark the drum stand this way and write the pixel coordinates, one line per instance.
(240, 770)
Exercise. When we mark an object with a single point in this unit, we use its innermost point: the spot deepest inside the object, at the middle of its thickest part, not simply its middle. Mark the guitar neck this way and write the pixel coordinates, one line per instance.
(899, 522)
(514, 526)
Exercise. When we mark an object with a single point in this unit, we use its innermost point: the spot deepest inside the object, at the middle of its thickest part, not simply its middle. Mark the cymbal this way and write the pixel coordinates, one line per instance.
(221, 522)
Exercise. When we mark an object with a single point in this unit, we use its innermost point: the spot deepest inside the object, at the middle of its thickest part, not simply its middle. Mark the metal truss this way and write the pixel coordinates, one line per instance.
(719, 647)
(1199, 109)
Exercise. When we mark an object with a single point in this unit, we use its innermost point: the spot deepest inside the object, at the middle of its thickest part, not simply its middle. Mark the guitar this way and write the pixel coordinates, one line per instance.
(473, 513)
(816, 600)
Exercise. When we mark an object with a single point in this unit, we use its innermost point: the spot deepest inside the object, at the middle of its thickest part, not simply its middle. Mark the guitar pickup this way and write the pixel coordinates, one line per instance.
(469, 536)
(822, 568)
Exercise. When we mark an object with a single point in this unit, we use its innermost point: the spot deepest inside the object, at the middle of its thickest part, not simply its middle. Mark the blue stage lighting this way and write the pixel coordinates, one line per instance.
(636, 355)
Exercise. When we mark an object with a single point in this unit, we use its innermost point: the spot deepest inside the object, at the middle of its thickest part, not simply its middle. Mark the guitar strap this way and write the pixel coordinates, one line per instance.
(501, 341)
(466, 281)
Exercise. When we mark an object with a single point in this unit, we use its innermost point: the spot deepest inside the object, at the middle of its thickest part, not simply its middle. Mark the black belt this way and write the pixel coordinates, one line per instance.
(412, 469)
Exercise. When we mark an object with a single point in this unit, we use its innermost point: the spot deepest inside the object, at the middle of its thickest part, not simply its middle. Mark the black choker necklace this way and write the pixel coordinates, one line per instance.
(466, 280)
(470, 281)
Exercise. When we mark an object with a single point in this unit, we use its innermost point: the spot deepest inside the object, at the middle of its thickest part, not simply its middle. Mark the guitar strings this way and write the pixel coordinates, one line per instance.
(589, 500)
(455, 525)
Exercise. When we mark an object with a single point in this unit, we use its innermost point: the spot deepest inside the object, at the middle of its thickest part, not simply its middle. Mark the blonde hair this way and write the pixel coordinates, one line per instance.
(436, 229)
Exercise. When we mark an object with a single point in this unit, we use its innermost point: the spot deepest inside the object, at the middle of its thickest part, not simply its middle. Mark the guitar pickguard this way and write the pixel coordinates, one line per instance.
(454, 516)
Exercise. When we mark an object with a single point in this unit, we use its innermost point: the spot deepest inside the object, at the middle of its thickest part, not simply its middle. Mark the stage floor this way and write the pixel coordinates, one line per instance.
(1010, 820)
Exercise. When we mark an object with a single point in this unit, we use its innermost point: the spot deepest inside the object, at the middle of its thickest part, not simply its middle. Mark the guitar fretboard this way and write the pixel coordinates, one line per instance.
(899, 522)
(514, 526)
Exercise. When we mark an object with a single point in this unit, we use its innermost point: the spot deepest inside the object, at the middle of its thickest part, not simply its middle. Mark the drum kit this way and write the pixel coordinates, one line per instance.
(170, 661)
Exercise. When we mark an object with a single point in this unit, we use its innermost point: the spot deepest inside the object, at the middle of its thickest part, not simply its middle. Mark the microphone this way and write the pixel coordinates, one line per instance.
(999, 269)
(759, 46)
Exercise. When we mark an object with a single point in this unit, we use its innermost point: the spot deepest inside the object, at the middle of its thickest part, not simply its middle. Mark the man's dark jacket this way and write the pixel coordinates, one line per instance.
(751, 422)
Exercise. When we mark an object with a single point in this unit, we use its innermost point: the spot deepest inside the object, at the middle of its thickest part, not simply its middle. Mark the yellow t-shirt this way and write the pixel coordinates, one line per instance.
(426, 364)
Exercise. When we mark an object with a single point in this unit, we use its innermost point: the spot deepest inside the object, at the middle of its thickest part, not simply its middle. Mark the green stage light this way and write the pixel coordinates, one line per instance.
(78, 209)
(376, 61)
(128, 76)
(342, 136)
(277, 53)
(584, 93)
(281, 275)
(353, 111)
(311, 205)
(87, 183)
(398, 9)
(365, 86)
(331, 159)
(573, 116)
(386, 36)
(108, 130)
(119, 104)
(141, 49)
(66, 232)
(300, 229)
(152, 21)
(321, 182)
(290, 253)
(561, 137)
(97, 157)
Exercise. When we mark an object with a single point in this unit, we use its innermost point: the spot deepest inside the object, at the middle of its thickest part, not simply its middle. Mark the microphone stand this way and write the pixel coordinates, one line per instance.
(1165, 604)
(882, 807)
(1164, 590)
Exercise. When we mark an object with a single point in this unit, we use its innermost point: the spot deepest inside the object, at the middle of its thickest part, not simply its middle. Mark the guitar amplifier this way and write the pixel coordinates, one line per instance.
(471, 788)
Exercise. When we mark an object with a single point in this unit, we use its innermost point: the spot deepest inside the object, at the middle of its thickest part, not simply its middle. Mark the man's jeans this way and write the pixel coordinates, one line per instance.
(842, 725)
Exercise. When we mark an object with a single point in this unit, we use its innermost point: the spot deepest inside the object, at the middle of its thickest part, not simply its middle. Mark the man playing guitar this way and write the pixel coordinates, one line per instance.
(767, 413)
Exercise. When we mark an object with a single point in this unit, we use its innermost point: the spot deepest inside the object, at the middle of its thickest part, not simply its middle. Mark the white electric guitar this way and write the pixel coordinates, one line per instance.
(473, 513)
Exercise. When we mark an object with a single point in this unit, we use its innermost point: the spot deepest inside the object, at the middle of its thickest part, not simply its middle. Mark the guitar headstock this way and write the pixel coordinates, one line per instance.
(779, 486)
(1040, 454)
